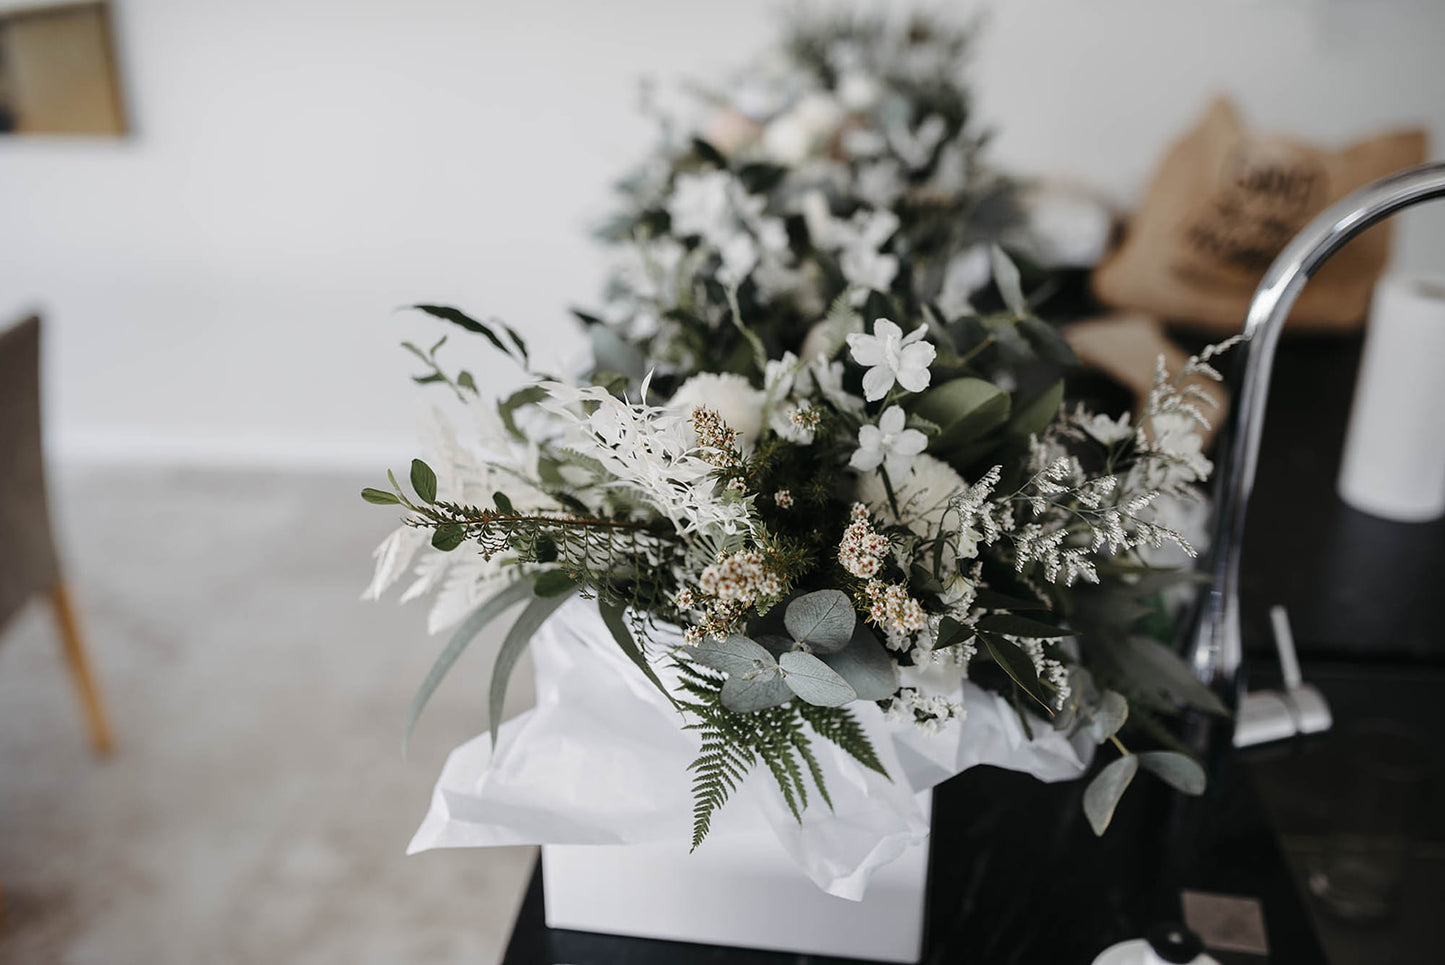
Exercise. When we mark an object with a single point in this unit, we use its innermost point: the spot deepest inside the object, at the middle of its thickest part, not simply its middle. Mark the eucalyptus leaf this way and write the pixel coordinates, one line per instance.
(1108, 716)
(507, 408)
(823, 619)
(1155, 666)
(1006, 277)
(424, 481)
(616, 622)
(380, 497)
(866, 666)
(1179, 771)
(529, 621)
(966, 408)
(1104, 791)
(1013, 661)
(814, 681)
(1017, 626)
(749, 692)
(736, 656)
(508, 596)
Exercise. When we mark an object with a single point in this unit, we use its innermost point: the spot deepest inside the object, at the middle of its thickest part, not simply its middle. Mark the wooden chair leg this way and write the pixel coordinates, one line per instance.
(75, 659)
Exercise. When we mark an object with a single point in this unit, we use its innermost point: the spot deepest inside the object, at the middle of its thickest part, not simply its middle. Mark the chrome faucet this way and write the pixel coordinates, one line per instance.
(1212, 642)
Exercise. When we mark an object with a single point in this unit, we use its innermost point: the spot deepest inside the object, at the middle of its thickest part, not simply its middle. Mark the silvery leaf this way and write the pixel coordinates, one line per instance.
(823, 620)
(866, 666)
(1103, 793)
(815, 681)
(736, 656)
(1108, 716)
(743, 693)
(1175, 769)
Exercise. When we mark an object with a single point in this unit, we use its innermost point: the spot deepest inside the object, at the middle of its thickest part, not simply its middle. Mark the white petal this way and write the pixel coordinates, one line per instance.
(916, 334)
(910, 442)
(889, 331)
(866, 460)
(866, 349)
(876, 383)
(892, 421)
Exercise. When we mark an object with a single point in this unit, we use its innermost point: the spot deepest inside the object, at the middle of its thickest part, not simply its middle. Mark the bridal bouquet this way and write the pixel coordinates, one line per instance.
(823, 460)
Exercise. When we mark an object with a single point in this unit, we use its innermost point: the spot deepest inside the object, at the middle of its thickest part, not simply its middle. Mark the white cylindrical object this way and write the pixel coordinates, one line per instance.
(1394, 460)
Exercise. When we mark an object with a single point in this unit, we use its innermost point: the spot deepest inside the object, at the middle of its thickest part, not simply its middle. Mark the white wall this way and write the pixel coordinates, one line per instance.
(220, 286)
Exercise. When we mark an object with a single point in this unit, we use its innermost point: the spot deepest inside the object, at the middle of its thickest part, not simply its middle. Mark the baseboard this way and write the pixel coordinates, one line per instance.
(141, 448)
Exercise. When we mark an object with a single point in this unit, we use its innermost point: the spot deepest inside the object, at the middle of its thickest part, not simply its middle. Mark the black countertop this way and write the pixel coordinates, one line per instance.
(1016, 875)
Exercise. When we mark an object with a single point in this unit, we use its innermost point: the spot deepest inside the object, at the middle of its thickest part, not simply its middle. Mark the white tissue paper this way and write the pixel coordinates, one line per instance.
(602, 759)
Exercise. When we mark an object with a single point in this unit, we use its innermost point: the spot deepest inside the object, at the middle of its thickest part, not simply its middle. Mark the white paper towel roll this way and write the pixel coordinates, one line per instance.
(1394, 461)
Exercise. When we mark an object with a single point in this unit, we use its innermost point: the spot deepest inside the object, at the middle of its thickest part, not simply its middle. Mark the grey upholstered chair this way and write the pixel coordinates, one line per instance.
(29, 564)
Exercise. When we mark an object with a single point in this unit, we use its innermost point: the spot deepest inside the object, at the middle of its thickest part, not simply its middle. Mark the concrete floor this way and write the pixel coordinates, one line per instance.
(258, 806)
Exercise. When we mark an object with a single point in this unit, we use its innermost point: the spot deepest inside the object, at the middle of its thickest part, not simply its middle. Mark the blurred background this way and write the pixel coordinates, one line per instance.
(219, 278)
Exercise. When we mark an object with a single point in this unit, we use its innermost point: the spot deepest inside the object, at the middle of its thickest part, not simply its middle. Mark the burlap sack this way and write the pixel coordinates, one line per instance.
(1224, 202)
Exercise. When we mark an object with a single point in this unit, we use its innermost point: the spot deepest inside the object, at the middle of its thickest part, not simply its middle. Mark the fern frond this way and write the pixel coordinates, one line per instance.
(838, 725)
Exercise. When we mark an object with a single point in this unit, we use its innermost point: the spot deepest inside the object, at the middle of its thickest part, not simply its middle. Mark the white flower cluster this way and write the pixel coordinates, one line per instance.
(726, 590)
(861, 550)
(928, 713)
(895, 612)
(715, 206)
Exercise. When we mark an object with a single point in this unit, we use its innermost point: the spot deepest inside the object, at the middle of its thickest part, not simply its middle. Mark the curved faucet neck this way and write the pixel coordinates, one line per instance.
(1215, 649)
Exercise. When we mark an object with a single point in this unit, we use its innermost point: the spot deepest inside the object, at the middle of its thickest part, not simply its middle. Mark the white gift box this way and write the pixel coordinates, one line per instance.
(738, 889)
(597, 774)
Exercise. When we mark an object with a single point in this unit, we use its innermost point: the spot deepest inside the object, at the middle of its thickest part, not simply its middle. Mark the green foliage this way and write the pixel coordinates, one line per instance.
(734, 743)
(380, 497)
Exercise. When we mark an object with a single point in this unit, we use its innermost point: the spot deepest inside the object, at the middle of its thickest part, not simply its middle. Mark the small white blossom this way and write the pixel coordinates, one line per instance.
(891, 356)
(889, 444)
(1106, 430)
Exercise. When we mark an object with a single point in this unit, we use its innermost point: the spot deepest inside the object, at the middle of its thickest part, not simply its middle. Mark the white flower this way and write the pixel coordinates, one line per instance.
(889, 444)
(889, 355)
(1177, 435)
(803, 130)
(922, 494)
(730, 396)
(739, 257)
(700, 205)
(1106, 430)
(829, 377)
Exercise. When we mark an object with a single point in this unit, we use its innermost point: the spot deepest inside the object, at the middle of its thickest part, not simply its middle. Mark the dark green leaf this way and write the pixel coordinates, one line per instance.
(1014, 662)
(1006, 277)
(1048, 342)
(553, 583)
(507, 408)
(546, 550)
(1103, 793)
(517, 341)
(448, 536)
(615, 619)
(1175, 769)
(1017, 626)
(708, 153)
(760, 178)
(424, 481)
(465, 380)
(380, 497)
(950, 631)
(511, 594)
(504, 505)
(456, 317)
(966, 408)
(1038, 414)
(528, 623)
(994, 600)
